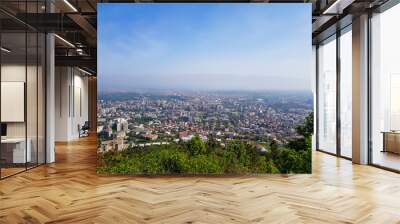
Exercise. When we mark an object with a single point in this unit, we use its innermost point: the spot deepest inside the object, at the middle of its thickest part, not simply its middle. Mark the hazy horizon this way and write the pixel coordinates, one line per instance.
(174, 91)
(204, 47)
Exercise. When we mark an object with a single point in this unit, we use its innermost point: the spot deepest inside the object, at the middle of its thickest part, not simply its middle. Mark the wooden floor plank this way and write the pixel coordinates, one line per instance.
(70, 191)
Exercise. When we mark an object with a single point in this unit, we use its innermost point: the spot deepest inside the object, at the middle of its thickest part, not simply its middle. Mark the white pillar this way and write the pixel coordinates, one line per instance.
(360, 89)
(50, 99)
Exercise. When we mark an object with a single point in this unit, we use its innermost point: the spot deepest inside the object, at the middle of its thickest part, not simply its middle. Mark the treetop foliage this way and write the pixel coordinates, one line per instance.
(199, 157)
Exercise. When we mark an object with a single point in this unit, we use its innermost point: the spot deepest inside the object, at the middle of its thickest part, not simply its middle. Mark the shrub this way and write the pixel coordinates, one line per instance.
(198, 157)
(204, 164)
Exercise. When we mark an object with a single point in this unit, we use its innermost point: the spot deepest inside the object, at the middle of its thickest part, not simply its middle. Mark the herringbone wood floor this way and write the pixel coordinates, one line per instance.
(69, 191)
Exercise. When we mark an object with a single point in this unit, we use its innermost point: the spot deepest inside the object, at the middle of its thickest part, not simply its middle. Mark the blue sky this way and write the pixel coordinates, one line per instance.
(204, 46)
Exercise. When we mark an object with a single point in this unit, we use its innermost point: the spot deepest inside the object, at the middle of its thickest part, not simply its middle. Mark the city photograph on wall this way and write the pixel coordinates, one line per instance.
(204, 89)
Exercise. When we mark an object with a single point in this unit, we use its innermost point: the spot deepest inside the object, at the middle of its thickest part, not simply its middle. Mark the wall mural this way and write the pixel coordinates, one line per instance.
(204, 89)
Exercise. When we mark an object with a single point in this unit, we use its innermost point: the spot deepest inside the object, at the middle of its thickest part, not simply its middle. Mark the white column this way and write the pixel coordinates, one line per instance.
(50, 99)
(360, 90)
(50, 92)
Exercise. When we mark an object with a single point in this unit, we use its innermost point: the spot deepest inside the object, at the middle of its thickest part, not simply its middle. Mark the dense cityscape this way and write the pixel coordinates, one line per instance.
(164, 117)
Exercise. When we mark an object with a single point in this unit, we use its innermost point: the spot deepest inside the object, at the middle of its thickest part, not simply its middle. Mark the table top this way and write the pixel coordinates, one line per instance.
(13, 140)
(391, 132)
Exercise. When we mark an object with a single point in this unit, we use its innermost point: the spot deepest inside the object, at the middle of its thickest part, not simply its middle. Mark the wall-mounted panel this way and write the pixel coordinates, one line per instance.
(12, 101)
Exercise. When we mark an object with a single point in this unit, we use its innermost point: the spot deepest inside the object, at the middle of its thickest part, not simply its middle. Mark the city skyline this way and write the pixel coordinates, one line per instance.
(204, 133)
(204, 47)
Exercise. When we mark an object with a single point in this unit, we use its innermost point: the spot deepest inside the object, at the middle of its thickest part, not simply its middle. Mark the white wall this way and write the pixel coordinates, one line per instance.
(33, 126)
(16, 72)
(11, 73)
(71, 87)
(80, 110)
(62, 82)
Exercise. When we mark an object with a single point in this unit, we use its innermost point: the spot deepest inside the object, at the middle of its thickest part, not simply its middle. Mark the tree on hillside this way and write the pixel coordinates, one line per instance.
(212, 143)
(196, 146)
(273, 145)
(296, 157)
(305, 130)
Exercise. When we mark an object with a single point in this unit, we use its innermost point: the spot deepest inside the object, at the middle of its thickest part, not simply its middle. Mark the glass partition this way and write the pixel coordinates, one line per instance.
(327, 95)
(22, 88)
(14, 153)
(346, 93)
(41, 97)
(31, 97)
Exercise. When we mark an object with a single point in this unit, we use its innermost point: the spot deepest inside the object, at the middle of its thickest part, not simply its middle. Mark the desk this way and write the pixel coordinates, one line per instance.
(391, 141)
(13, 150)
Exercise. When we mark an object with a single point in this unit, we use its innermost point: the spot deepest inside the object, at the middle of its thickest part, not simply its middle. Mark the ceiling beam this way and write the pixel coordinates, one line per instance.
(77, 61)
(86, 26)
